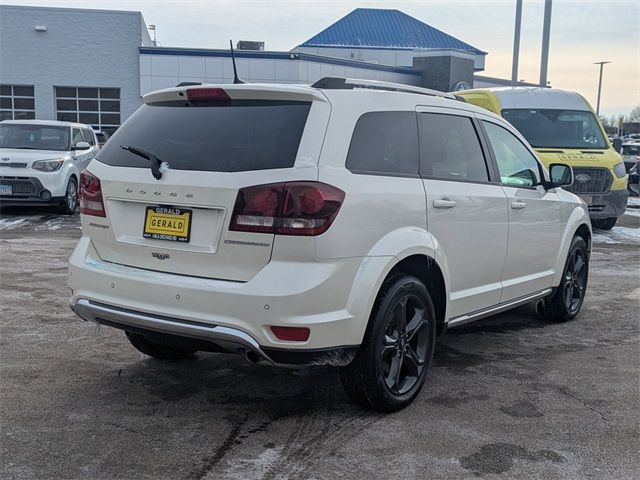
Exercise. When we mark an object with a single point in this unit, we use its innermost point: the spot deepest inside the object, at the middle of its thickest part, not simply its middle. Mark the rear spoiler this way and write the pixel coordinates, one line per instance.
(246, 91)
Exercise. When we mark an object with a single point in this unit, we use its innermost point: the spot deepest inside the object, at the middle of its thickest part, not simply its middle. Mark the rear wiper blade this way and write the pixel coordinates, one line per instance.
(156, 163)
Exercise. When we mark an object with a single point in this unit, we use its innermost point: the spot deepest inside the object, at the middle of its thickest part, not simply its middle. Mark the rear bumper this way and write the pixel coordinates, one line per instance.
(225, 339)
(611, 204)
(232, 315)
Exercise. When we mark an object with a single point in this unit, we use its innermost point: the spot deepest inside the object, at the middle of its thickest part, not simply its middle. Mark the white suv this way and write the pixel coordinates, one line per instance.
(346, 223)
(41, 161)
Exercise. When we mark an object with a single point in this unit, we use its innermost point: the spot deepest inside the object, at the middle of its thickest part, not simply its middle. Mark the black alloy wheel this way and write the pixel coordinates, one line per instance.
(390, 367)
(565, 303)
(404, 345)
(575, 280)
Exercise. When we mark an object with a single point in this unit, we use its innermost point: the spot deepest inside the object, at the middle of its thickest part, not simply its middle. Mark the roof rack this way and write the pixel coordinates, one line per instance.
(342, 83)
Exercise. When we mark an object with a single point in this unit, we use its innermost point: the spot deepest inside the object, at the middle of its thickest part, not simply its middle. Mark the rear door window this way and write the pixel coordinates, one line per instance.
(451, 149)
(229, 137)
(385, 143)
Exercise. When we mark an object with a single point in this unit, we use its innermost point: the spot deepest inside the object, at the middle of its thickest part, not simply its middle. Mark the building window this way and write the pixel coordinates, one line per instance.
(98, 107)
(17, 102)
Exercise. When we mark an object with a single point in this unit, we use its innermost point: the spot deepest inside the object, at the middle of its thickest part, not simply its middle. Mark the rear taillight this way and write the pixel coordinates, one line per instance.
(294, 208)
(91, 202)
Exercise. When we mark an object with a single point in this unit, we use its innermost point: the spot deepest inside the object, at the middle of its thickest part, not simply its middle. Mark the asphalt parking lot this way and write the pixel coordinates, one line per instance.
(508, 397)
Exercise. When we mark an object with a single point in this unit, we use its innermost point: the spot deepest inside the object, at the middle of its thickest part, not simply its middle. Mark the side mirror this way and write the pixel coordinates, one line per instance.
(561, 175)
(81, 146)
(617, 144)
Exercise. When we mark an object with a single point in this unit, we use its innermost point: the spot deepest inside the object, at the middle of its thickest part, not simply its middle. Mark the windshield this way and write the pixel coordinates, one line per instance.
(631, 149)
(234, 137)
(551, 128)
(34, 137)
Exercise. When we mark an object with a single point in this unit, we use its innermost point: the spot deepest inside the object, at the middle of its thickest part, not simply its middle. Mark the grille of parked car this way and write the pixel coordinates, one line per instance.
(591, 180)
(22, 185)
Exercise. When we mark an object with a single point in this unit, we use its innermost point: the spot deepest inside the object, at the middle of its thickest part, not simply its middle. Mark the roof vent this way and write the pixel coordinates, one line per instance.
(249, 45)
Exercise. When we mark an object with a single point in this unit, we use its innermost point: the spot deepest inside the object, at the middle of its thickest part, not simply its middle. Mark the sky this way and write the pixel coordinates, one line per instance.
(582, 32)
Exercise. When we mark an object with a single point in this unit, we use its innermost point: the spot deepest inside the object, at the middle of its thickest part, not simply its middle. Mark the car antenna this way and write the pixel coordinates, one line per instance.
(235, 70)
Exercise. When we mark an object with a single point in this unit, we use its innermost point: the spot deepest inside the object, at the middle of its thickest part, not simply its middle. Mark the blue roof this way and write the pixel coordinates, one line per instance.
(381, 28)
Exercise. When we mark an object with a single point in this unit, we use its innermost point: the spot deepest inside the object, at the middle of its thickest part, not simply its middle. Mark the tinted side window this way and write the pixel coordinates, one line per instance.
(516, 164)
(451, 149)
(385, 142)
(88, 137)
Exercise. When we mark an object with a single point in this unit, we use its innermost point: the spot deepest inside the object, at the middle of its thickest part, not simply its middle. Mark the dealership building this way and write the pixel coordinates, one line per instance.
(97, 71)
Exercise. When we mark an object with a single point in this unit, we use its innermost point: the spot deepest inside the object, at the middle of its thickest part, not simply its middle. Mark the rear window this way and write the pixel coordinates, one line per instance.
(232, 137)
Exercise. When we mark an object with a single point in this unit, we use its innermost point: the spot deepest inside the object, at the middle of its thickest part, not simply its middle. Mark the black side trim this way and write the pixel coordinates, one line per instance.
(334, 357)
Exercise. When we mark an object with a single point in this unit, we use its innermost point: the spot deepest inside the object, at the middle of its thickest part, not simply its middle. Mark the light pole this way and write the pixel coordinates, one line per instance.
(516, 43)
(546, 33)
(153, 29)
(602, 64)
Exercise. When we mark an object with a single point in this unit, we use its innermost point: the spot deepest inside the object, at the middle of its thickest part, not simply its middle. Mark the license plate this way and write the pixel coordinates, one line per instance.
(6, 190)
(167, 223)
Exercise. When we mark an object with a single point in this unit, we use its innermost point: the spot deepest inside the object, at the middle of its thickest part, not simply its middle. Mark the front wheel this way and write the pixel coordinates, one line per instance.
(604, 223)
(70, 202)
(567, 300)
(391, 365)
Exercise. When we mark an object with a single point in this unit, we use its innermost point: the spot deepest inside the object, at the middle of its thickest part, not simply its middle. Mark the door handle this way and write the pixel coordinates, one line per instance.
(516, 205)
(444, 203)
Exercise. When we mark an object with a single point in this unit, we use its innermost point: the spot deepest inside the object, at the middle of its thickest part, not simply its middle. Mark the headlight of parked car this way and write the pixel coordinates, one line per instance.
(619, 170)
(48, 165)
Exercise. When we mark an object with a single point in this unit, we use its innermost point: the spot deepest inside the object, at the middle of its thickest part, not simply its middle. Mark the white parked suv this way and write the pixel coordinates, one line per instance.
(346, 223)
(41, 161)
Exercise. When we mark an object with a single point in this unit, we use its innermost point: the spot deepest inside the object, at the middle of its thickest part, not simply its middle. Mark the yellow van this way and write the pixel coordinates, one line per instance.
(562, 128)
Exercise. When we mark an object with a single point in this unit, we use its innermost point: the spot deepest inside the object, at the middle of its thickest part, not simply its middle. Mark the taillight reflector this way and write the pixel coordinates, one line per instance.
(291, 334)
(207, 94)
(91, 202)
(294, 208)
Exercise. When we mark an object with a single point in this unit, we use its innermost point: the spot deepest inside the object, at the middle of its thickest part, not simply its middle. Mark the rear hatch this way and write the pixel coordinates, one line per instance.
(214, 142)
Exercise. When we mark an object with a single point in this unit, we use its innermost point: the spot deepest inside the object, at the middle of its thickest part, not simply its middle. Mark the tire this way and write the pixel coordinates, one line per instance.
(70, 202)
(566, 301)
(157, 350)
(604, 223)
(390, 367)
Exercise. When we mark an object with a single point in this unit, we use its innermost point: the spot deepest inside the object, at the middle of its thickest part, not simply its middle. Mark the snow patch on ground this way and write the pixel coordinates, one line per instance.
(632, 212)
(12, 223)
(55, 224)
(634, 202)
(617, 235)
